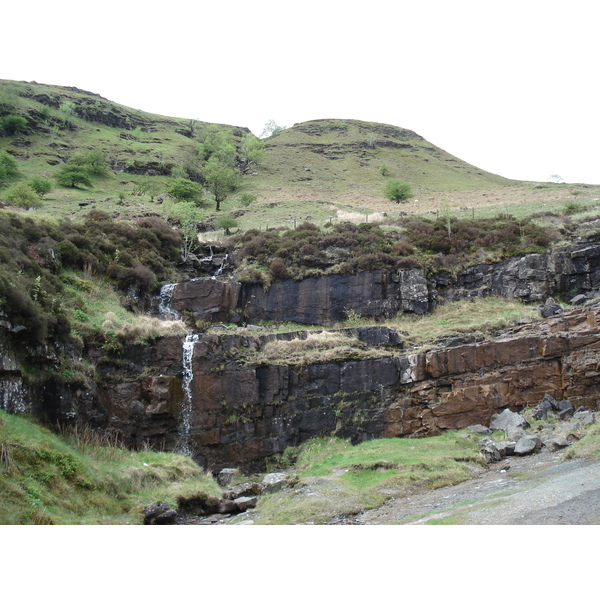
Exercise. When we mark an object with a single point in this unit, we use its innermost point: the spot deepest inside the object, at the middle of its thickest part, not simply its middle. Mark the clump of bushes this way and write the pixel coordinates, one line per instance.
(411, 242)
(35, 253)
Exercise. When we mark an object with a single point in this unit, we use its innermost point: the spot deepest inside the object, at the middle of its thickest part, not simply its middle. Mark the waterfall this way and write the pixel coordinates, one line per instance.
(185, 426)
(165, 309)
(220, 269)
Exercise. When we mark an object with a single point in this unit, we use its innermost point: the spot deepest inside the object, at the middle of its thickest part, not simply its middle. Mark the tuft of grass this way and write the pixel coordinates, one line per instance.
(325, 346)
(587, 448)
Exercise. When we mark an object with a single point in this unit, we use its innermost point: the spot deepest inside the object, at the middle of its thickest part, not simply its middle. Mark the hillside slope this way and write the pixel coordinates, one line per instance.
(318, 170)
(347, 157)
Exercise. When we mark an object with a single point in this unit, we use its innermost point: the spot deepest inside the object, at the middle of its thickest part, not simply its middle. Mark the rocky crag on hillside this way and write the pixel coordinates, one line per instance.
(566, 271)
(221, 400)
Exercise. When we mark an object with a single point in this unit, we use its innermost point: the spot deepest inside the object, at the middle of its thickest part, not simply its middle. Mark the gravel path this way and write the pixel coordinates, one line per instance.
(534, 490)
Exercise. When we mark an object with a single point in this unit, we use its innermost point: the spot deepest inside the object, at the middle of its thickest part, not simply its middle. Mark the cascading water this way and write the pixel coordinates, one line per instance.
(220, 269)
(185, 426)
(165, 308)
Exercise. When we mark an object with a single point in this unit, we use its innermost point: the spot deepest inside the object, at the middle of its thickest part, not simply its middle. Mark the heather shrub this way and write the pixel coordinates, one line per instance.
(278, 269)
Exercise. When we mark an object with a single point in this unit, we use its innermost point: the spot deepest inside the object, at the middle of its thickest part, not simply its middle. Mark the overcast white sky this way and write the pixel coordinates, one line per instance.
(509, 86)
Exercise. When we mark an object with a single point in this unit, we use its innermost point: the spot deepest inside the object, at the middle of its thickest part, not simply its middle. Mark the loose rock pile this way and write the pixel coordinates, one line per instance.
(235, 499)
(557, 425)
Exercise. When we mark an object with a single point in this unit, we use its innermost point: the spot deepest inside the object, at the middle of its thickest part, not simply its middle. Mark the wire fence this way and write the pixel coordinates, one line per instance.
(519, 210)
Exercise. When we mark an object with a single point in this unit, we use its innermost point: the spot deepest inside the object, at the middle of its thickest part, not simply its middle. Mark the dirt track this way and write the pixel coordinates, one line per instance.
(534, 490)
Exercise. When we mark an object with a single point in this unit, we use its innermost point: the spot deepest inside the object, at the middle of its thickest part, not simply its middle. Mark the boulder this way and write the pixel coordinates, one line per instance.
(579, 299)
(550, 308)
(565, 409)
(556, 443)
(225, 476)
(243, 503)
(547, 404)
(507, 420)
(490, 453)
(244, 489)
(585, 417)
(528, 444)
(226, 507)
(169, 517)
(482, 429)
(159, 513)
(515, 433)
(506, 448)
(273, 482)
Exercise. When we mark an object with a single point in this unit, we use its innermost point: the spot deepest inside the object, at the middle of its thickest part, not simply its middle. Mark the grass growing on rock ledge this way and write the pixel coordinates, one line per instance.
(82, 478)
(481, 315)
(336, 478)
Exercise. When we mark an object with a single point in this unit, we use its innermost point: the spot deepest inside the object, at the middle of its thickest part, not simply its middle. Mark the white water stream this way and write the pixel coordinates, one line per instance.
(165, 308)
(185, 425)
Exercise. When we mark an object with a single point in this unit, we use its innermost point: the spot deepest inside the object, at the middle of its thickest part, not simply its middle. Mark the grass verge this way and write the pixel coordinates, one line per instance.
(84, 479)
(335, 478)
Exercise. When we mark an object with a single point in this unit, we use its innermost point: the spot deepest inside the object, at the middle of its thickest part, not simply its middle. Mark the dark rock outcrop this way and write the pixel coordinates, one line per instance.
(325, 300)
(243, 414)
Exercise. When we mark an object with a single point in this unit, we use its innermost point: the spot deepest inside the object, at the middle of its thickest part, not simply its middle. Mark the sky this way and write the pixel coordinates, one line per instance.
(507, 86)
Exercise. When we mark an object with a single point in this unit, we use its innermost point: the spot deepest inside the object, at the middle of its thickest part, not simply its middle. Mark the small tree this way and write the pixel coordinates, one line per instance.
(185, 190)
(8, 165)
(12, 124)
(218, 144)
(221, 180)
(94, 161)
(251, 151)
(247, 198)
(73, 176)
(226, 222)
(270, 129)
(186, 216)
(397, 190)
(41, 186)
(22, 195)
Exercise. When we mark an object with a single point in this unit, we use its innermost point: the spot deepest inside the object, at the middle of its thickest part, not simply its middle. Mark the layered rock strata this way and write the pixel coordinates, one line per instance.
(242, 414)
(329, 299)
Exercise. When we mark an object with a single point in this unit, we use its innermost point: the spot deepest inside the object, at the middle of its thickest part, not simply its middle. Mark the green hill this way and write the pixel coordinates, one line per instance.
(318, 170)
(347, 157)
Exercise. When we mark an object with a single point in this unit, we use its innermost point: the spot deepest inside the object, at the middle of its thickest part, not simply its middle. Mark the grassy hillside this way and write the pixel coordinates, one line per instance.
(82, 478)
(349, 158)
(322, 171)
(142, 150)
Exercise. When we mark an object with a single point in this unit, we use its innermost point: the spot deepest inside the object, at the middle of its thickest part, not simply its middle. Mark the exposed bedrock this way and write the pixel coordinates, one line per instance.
(382, 294)
(243, 414)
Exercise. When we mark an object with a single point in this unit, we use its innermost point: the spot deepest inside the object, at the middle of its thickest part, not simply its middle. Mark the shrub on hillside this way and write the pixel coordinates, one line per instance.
(73, 176)
(40, 185)
(22, 195)
(397, 190)
(8, 165)
(13, 124)
(185, 190)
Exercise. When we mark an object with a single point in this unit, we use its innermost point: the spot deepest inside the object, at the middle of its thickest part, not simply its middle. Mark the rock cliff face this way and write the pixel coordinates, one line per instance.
(240, 415)
(242, 408)
(378, 294)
